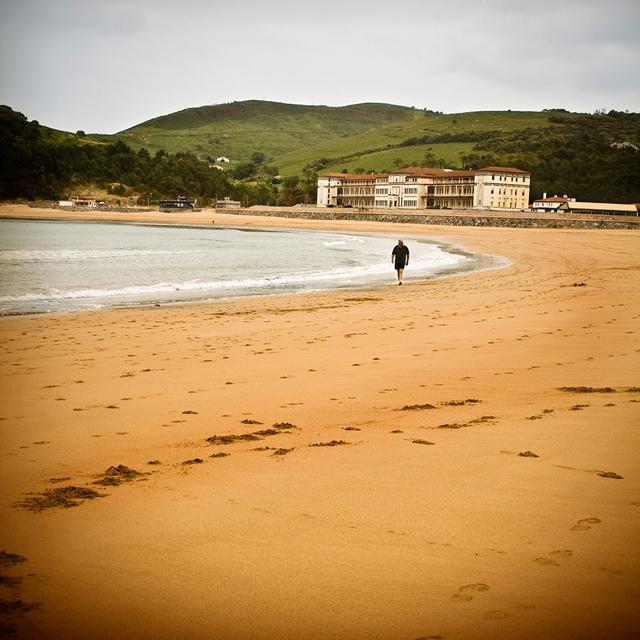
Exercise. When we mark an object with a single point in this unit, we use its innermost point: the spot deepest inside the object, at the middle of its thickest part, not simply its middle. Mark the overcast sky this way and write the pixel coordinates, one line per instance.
(105, 65)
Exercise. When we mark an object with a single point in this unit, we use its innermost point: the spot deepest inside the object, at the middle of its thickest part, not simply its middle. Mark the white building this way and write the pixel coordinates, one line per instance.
(227, 203)
(600, 208)
(552, 203)
(328, 186)
(503, 188)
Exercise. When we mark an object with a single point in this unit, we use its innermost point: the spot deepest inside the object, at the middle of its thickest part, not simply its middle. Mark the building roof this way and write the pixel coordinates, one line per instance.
(502, 170)
(432, 172)
(424, 172)
(420, 172)
(553, 199)
(459, 174)
(366, 176)
(353, 176)
(599, 206)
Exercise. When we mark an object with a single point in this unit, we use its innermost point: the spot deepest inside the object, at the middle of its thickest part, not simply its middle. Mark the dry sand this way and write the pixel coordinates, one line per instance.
(421, 521)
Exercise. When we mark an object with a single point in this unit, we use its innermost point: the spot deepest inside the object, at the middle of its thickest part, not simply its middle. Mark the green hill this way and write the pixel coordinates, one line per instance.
(277, 150)
(239, 129)
(295, 140)
(368, 136)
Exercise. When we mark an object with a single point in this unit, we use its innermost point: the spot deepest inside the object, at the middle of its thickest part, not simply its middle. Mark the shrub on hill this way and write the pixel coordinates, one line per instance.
(36, 164)
(575, 156)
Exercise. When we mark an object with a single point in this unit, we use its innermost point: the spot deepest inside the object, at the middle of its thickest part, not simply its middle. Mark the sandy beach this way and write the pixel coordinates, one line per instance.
(455, 458)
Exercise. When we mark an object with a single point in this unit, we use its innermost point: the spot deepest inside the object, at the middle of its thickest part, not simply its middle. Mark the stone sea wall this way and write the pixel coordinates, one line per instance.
(524, 221)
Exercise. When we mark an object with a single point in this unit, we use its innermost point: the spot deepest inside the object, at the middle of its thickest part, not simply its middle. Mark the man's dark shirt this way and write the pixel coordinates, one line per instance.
(401, 254)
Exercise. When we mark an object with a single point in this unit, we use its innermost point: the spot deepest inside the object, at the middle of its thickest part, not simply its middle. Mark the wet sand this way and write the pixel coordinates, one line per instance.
(453, 458)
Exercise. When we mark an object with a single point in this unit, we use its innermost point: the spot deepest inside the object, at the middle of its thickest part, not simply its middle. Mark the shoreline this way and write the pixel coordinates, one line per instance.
(473, 262)
(434, 217)
(454, 458)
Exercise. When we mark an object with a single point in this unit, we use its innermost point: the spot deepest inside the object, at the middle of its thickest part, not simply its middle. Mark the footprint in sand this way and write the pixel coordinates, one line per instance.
(612, 572)
(585, 524)
(553, 558)
(496, 614)
(467, 591)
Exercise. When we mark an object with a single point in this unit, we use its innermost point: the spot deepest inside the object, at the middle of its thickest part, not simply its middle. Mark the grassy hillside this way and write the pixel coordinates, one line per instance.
(366, 136)
(445, 154)
(377, 149)
(238, 129)
(589, 156)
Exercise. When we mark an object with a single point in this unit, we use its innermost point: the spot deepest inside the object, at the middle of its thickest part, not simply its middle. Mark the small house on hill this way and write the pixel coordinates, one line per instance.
(227, 203)
(552, 203)
(179, 204)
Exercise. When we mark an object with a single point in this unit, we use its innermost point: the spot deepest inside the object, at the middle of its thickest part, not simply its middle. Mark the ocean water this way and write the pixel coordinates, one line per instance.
(67, 266)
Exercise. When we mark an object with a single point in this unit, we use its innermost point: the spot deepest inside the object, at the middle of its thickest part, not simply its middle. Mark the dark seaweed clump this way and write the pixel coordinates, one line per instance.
(274, 430)
(60, 497)
(10, 559)
(417, 407)
(610, 474)
(587, 389)
(115, 476)
(332, 443)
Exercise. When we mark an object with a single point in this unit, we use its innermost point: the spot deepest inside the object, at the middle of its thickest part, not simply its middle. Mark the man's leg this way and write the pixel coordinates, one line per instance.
(400, 272)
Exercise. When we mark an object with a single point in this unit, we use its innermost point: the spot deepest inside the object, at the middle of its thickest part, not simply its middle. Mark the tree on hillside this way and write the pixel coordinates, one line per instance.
(244, 170)
(429, 158)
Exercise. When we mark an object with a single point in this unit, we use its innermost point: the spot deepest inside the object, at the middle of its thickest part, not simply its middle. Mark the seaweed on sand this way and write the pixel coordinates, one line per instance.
(17, 606)
(417, 407)
(10, 559)
(60, 497)
(462, 425)
(230, 439)
(115, 476)
(332, 443)
(587, 389)
(281, 452)
(274, 430)
(610, 474)
(284, 425)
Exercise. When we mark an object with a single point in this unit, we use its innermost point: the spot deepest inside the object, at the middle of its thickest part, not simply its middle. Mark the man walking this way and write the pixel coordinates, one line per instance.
(400, 256)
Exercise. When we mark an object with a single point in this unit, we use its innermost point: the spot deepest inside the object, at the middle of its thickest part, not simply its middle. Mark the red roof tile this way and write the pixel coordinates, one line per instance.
(353, 176)
(502, 170)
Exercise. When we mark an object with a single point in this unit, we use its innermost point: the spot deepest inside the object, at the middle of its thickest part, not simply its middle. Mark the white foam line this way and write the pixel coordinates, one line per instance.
(53, 255)
(357, 273)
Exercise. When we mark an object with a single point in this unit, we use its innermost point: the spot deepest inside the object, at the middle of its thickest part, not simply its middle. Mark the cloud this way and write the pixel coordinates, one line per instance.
(125, 62)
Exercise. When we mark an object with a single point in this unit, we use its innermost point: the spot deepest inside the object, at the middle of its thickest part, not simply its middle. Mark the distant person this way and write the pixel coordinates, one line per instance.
(400, 258)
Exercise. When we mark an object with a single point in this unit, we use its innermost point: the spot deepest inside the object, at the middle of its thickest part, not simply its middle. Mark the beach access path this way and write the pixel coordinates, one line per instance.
(454, 458)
